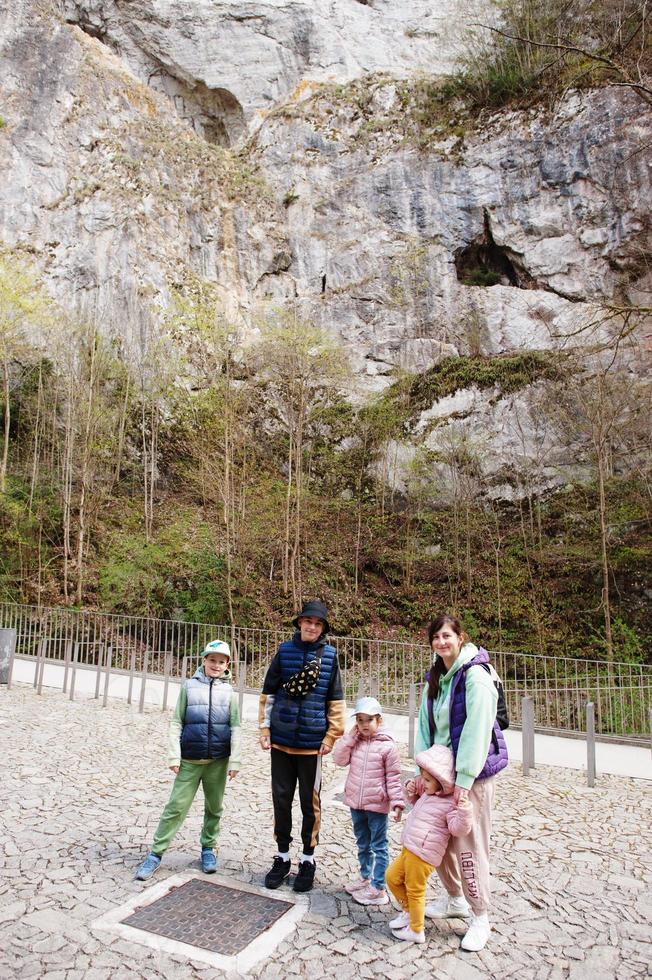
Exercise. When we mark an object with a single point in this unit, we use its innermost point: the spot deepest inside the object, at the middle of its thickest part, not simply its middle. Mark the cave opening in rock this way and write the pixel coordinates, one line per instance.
(214, 113)
(484, 263)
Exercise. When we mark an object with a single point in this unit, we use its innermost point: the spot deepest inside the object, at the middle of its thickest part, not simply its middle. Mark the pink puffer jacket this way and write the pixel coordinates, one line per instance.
(374, 780)
(429, 825)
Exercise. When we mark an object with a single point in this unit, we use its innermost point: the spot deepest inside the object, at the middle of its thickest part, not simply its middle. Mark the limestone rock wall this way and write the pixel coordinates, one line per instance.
(146, 143)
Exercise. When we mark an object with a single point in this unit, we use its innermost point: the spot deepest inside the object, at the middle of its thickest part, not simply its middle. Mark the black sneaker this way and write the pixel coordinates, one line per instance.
(278, 872)
(305, 876)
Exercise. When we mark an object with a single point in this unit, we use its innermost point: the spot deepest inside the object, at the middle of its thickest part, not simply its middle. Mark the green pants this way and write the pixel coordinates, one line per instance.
(213, 780)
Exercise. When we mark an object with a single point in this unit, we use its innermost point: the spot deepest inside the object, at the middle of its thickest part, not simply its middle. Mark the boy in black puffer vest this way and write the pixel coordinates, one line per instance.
(301, 714)
(204, 745)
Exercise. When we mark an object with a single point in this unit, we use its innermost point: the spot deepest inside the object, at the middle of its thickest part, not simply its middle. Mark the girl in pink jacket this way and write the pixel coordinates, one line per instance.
(373, 788)
(428, 828)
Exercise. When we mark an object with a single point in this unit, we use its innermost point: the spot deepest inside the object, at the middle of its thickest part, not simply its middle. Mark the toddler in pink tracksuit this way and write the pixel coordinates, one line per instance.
(428, 828)
(373, 788)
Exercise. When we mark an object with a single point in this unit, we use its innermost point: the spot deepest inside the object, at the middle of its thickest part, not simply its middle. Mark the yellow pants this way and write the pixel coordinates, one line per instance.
(406, 878)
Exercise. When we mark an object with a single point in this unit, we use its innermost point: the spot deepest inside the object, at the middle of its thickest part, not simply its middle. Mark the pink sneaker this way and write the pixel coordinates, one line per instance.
(357, 885)
(371, 896)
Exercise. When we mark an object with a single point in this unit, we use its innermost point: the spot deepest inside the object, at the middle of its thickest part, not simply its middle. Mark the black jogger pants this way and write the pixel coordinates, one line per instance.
(287, 770)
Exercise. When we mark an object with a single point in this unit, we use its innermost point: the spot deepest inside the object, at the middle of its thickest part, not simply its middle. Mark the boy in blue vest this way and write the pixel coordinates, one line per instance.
(204, 745)
(301, 714)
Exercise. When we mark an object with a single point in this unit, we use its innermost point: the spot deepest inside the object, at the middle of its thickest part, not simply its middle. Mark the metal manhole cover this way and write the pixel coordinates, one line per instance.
(211, 916)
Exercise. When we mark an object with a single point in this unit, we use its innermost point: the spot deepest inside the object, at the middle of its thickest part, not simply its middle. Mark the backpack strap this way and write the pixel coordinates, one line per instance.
(431, 720)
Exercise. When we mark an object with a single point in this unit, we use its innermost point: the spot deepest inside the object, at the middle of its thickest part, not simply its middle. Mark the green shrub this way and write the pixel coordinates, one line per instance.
(177, 575)
(482, 277)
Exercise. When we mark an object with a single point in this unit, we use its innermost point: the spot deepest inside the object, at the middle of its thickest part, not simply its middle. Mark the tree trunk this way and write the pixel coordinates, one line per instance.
(606, 603)
(7, 406)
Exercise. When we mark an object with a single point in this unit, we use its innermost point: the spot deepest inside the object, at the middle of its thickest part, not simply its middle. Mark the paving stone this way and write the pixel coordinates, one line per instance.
(571, 898)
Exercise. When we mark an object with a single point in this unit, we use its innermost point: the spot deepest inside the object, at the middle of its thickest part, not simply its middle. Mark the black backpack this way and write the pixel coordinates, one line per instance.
(502, 715)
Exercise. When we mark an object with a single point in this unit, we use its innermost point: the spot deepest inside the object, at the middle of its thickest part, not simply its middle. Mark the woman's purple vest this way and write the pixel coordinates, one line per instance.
(497, 757)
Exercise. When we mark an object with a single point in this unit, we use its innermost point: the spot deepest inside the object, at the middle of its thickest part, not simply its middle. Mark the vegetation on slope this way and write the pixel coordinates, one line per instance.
(260, 483)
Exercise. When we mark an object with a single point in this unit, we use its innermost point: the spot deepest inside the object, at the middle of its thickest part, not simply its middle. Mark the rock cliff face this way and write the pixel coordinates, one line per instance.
(226, 64)
(146, 143)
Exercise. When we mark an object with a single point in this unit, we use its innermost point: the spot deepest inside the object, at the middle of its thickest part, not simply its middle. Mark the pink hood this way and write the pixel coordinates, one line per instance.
(438, 761)
(374, 780)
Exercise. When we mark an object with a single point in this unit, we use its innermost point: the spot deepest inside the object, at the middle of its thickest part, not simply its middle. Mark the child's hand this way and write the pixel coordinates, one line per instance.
(411, 786)
(398, 813)
(175, 770)
(233, 773)
(460, 794)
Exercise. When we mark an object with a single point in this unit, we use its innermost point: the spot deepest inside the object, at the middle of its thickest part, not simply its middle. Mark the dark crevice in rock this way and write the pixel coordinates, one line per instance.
(484, 263)
(94, 29)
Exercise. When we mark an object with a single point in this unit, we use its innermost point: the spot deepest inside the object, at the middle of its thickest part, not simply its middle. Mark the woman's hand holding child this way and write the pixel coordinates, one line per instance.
(398, 813)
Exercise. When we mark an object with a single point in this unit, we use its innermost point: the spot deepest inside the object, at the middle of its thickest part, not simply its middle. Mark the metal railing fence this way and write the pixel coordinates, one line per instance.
(559, 686)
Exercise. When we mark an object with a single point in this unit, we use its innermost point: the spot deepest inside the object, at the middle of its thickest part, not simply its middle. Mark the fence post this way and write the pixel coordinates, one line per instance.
(361, 688)
(141, 703)
(7, 654)
(132, 669)
(107, 674)
(73, 672)
(527, 732)
(650, 726)
(66, 665)
(166, 679)
(590, 743)
(100, 661)
(37, 665)
(412, 710)
(242, 668)
(184, 667)
(40, 668)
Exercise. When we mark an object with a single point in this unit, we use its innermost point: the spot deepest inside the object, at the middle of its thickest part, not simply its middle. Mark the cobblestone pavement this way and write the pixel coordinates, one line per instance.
(82, 791)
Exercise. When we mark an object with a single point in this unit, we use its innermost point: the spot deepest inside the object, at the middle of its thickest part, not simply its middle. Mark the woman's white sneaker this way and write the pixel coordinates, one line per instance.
(408, 936)
(477, 934)
(400, 922)
(449, 908)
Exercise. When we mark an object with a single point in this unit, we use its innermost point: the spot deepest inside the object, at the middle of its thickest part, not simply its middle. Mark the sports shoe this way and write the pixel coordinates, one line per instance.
(400, 922)
(208, 861)
(304, 877)
(357, 885)
(278, 872)
(371, 896)
(408, 936)
(145, 870)
(476, 936)
(449, 908)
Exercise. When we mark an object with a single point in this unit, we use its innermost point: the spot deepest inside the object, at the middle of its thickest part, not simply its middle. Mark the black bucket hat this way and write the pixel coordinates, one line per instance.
(313, 608)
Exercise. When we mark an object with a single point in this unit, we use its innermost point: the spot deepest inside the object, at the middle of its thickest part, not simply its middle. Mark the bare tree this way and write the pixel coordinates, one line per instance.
(213, 345)
(302, 368)
(22, 303)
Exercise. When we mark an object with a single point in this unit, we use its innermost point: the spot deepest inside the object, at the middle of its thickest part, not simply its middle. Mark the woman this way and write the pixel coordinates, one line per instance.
(458, 709)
